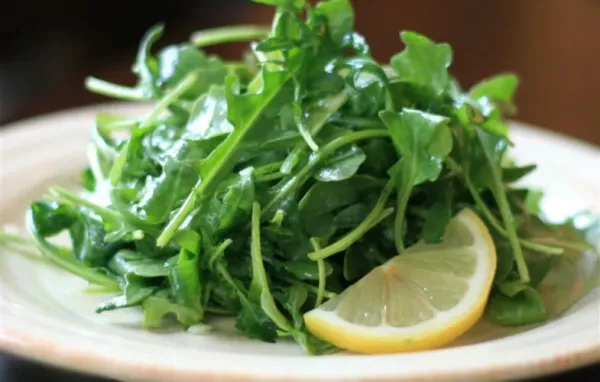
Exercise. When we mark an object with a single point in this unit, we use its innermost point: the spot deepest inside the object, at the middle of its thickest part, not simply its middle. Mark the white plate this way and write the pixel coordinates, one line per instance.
(45, 314)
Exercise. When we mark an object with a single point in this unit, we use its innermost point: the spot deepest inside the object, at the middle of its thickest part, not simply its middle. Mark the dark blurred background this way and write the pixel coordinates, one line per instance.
(48, 47)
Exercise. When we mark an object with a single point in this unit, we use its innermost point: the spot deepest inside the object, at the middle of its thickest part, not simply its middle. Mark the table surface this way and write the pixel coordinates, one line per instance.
(14, 369)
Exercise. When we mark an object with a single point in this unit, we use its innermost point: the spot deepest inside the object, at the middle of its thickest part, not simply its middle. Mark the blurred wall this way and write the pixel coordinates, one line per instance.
(46, 48)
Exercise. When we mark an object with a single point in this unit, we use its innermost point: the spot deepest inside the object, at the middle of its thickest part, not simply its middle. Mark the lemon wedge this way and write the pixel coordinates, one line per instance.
(422, 299)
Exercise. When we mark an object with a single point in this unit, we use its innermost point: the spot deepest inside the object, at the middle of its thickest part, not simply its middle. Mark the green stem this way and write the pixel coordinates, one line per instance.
(164, 103)
(267, 168)
(218, 311)
(361, 122)
(402, 203)
(352, 237)
(299, 121)
(219, 251)
(512, 236)
(558, 244)
(268, 172)
(305, 134)
(298, 180)
(268, 177)
(389, 99)
(6, 237)
(259, 275)
(509, 230)
(491, 219)
(377, 214)
(315, 123)
(68, 196)
(238, 33)
(109, 123)
(311, 288)
(24, 246)
(322, 274)
(109, 89)
(322, 282)
(513, 239)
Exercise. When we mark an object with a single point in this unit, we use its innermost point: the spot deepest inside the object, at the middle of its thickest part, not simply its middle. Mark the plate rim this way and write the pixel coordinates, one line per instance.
(21, 344)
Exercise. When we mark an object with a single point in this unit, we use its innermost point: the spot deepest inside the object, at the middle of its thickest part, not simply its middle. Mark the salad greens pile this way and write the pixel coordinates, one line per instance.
(259, 189)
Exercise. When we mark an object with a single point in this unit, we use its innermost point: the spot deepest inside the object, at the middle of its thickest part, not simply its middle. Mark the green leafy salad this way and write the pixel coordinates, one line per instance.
(260, 189)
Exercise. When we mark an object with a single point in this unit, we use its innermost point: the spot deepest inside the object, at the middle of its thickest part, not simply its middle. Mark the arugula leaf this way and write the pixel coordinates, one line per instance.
(342, 165)
(238, 199)
(209, 115)
(127, 262)
(175, 62)
(380, 157)
(423, 63)
(523, 306)
(89, 242)
(61, 256)
(423, 140)
(504, 259)
(253, 321)
(326, 197)
(513, 174)
(351, 216)
(359, 259)
(156, 308)
(186, 281)
(50, 218)
(233, 33)
(501, 87)
(306, 270)
(438, 216)
(88, 180)
(136, 290)
(340, 18)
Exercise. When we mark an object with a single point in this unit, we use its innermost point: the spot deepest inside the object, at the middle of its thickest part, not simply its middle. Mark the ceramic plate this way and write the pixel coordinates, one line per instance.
(48, 315)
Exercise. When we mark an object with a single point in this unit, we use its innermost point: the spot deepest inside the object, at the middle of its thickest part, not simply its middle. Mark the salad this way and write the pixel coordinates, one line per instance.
(310, 192)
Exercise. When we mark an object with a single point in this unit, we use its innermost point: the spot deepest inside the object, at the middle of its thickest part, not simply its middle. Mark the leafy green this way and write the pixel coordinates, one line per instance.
(156, 308)
(185, 280)
(177, 62)
(500, 88)
(136, 290)
(438, 216)
(522, 305)
(423, 140)
(259, 189)
(208, 117)
(341, 165)
(423, 63)
(340, 18)
(127, 262)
